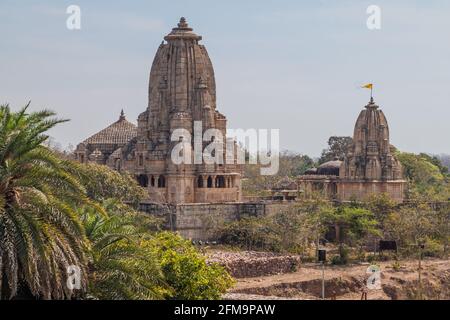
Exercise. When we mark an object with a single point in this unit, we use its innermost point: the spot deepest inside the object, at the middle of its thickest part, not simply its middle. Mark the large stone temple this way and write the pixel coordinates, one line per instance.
(369, 167)
(182, 91)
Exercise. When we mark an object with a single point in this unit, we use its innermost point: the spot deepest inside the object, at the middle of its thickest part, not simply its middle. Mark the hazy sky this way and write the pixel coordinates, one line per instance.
(292, 65)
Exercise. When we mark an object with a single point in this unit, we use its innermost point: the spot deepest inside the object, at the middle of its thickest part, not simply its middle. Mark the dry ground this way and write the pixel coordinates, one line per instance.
(345, 282)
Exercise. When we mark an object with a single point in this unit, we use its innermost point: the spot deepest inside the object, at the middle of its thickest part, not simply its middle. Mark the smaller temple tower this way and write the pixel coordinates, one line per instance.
(369, 166)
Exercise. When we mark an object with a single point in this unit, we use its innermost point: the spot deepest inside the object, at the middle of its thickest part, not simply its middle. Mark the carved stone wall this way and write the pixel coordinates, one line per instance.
(197, 220)
(361, 190)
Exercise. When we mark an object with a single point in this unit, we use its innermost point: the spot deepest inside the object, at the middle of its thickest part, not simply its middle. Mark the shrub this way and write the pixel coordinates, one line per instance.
(103, 183)
(396, 266)
(186, 270)
(343, 257)
(432, 248)
(372, 258)
(336, 260)
(291, 229)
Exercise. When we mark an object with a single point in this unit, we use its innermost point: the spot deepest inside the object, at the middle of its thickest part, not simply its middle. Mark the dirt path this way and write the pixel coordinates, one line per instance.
(346, 282)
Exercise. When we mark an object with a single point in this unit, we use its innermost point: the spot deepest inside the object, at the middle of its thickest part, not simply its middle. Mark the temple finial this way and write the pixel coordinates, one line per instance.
(122, 115)
(182, 23)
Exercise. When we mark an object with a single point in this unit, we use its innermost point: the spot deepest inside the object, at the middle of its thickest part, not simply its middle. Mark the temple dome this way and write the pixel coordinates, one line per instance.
(311, 171)
(120, 132)
(330, 168)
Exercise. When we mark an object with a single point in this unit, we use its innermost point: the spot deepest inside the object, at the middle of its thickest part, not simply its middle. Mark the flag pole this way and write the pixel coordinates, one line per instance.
(371, 95)
(369, 86)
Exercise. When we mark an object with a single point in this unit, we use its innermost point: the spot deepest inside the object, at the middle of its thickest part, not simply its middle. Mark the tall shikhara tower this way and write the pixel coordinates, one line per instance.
(370, 165)
(182, 93)
(182, 90)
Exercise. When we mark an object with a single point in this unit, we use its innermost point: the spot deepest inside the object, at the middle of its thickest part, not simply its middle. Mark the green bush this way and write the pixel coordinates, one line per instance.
(186, 271)
(432, 248)
(343, 257)
(336, 260)
(372, 258)
(396, 266)
(426, 175)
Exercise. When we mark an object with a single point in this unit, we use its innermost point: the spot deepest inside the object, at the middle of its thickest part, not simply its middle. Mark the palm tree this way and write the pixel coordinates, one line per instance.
(120, 268)
(41, 234)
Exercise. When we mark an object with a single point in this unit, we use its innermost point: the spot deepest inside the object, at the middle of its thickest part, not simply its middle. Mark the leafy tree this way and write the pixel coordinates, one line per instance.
(419, 169)
(288, 230)
(250, 233)
(255, 184)
(102, 183)
(445, 160)
(353, 225)
(442, 226)
(318, 211)
(417, 223)
(436, 161)
(291, 164)
(381, 205)
(40, 231)
(120, 267)
(424, 177)
(185, 269)
(337, 148)
(356, 223)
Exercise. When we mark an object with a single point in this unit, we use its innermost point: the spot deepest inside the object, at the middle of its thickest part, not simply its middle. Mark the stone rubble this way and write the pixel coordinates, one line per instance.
(246, 264)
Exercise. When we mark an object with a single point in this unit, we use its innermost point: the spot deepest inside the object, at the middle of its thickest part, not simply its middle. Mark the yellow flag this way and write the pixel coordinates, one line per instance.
(368, 86)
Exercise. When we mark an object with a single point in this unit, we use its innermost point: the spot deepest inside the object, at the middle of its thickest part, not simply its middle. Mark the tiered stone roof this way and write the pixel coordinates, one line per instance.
(329, 168)
(120, 132)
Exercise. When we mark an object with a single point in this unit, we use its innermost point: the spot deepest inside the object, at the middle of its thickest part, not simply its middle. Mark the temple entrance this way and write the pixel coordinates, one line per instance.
(142, 180)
